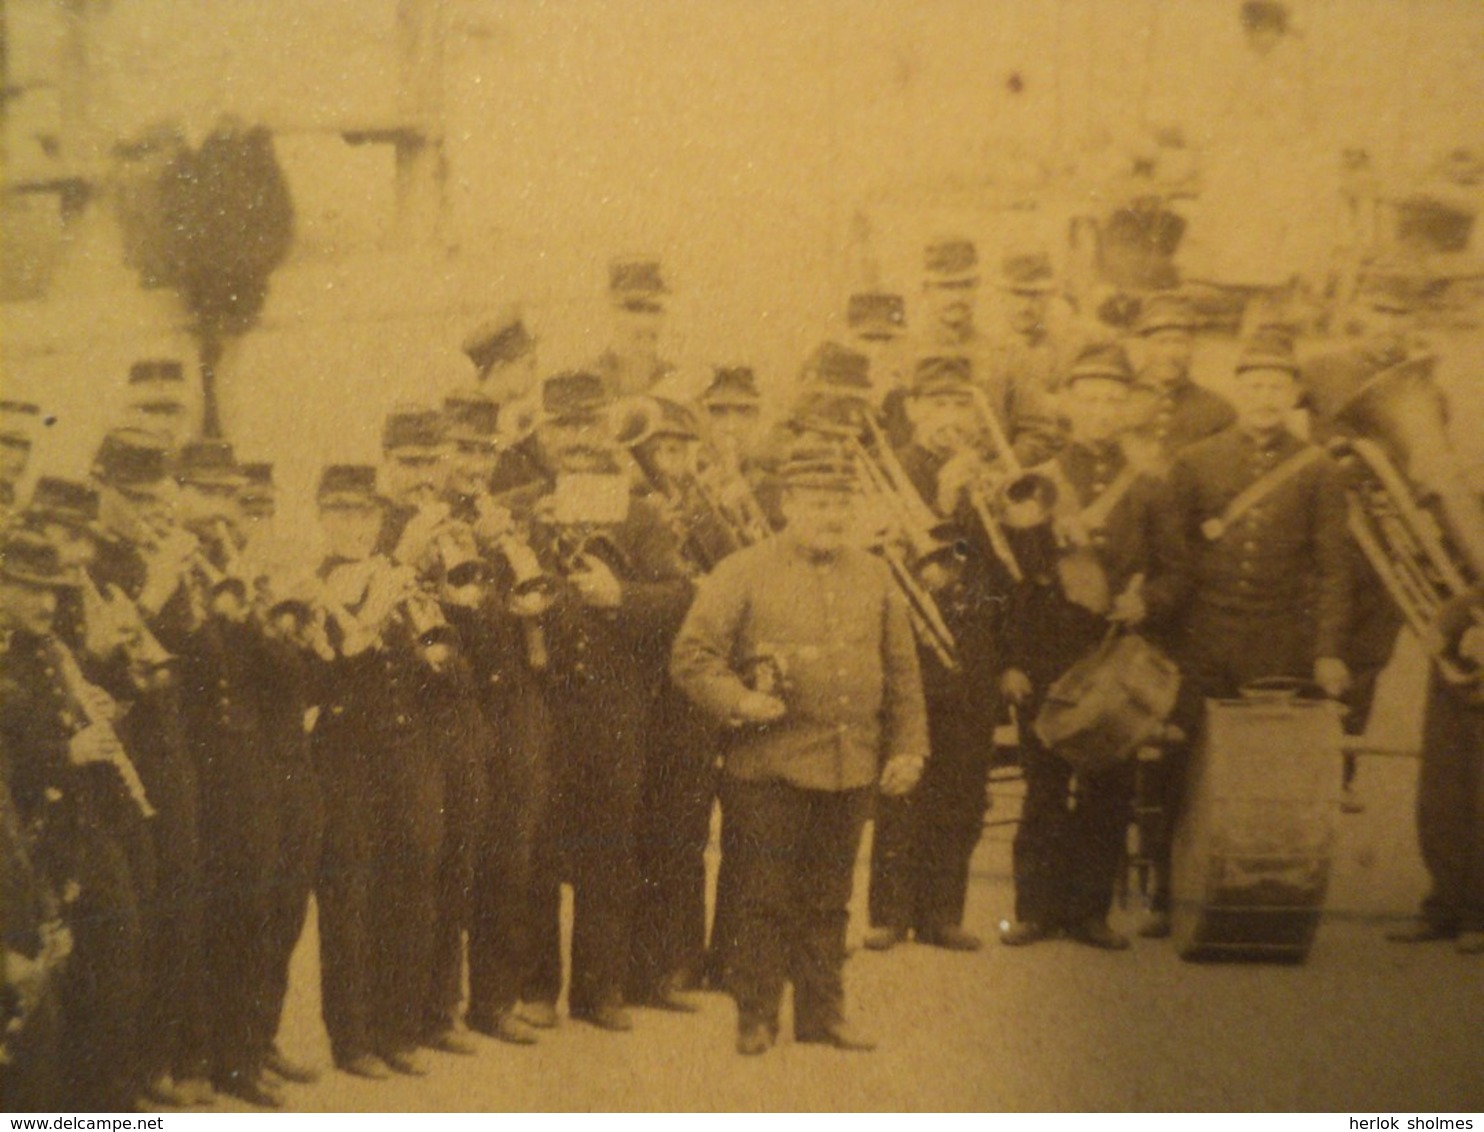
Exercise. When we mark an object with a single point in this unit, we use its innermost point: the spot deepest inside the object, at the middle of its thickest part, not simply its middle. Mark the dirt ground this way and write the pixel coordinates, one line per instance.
(1362, 1026)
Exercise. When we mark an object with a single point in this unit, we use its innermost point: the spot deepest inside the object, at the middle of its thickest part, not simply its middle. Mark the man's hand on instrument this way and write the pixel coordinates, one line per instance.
(900, 774)
(1129, 607)
(596, 584)
(759, 707)
(93, 744)
(1015, 686)
(532, 604)
(1332, 675)
(957, 473)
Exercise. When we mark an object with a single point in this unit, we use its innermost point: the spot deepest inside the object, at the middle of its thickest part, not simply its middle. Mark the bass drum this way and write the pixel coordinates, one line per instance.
(1252, 853)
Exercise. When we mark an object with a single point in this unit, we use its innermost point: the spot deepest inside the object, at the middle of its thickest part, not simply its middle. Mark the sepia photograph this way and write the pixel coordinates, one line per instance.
(742, 555)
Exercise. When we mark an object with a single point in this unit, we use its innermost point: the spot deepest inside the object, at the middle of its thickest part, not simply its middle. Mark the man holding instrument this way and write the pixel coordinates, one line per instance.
(1251, 570)
(1069, 845)
(802, 644)
(923, 842)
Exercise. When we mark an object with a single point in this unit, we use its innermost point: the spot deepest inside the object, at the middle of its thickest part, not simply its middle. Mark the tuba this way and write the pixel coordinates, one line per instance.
(1411, 511)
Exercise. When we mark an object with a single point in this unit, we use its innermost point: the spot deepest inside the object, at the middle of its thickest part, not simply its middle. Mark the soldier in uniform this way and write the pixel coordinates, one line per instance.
(1177, 411)
(17, 422)
(636, 294)
(1450, 786)
(1026, 353)
(732, 407)
(383, 791)
(107, 635)
(669, 931)
(1251, 569)
(1070, 841)
(36, 944)
(503, 352)
(621, 593)
(226, 674)
(1016, 396)
(923, 842)
(504, 355)
(1380, 336)
(412, 478)
(803, 645)
(62, 766)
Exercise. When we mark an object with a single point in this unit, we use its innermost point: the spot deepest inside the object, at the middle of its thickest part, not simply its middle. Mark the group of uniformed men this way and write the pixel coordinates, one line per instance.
(565, 614)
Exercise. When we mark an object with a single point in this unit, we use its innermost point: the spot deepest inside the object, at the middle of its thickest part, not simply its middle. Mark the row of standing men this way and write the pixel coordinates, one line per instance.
(473, 700)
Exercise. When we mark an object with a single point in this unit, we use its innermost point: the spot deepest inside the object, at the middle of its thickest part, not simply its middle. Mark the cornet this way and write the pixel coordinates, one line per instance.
(115, 618)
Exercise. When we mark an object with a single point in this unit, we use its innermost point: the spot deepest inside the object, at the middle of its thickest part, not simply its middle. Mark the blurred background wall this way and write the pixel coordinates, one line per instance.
(774, 154)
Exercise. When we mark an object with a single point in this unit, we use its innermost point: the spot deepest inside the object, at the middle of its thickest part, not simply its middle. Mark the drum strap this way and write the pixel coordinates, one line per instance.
(1216, 526)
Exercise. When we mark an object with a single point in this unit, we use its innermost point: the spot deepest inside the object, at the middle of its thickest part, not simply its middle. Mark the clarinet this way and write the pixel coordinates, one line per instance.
(81, 718)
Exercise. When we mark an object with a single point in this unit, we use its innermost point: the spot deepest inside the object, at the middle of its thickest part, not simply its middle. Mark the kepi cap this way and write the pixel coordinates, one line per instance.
(1104, 360)
(65, 501)
(1027, 273)
(732, 385)
(28, 558)
(940, 374)
(1165, 310)
(876, 314)
(573, 394)
(502, 339)
(132, 458)
(950, 261)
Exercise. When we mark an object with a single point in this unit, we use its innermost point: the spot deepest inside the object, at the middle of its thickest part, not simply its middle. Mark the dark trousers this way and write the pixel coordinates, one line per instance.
(793, 852)
(517, 802)
(920, 855)
(461, 741)
(239, 839)
(30, 1076)
(343, 887)
(669, 932)
(598, 756)
(406, 852)
(383, 797)
(102, 987)
(1070, 843)
(300, 821)
(1218, 652)
(174, 1031)
(1450, 808)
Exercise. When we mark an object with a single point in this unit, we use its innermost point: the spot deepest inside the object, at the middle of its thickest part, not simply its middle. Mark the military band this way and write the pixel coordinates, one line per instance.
(570, 617)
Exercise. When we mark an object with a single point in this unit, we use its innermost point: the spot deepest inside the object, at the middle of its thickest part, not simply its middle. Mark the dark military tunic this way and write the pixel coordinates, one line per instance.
(64, 813)
(1183, 413)
(1264, 596)
(1069, 844)
(603, 670)
(923, 841)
